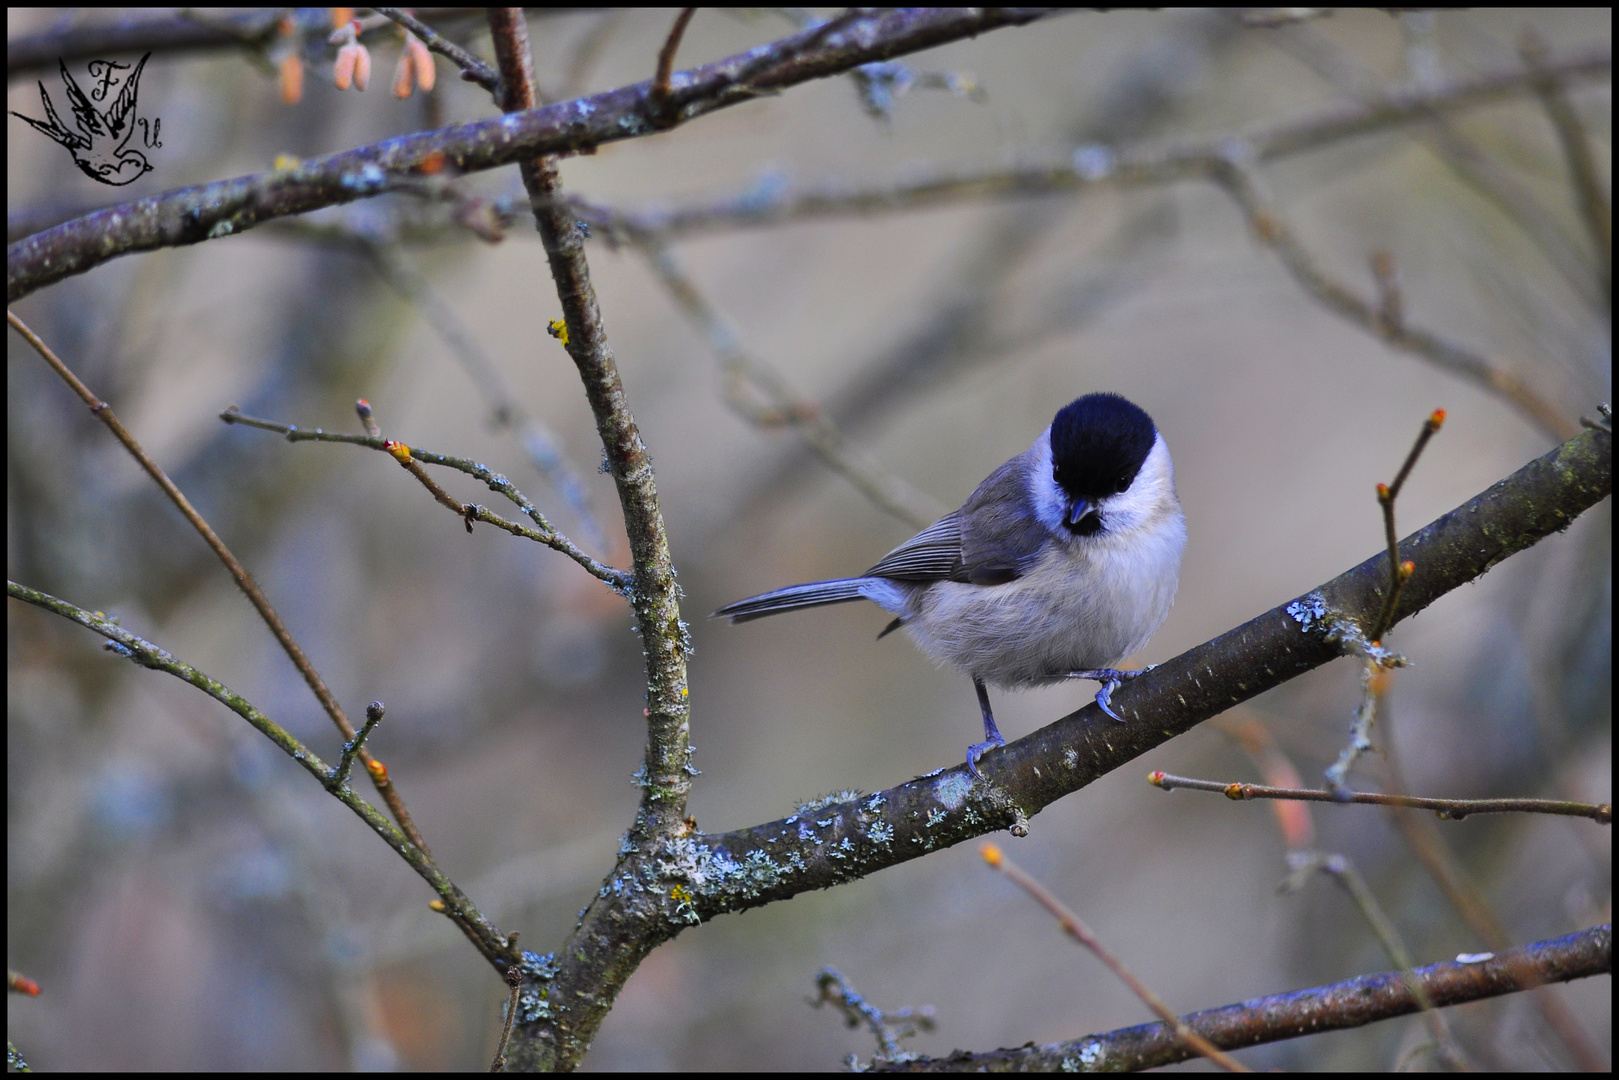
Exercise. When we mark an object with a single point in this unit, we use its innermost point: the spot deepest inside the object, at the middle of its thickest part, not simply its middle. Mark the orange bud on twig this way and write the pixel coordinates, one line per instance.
(292, 78)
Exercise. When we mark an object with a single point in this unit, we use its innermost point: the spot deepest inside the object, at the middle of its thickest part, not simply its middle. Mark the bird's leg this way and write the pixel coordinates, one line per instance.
(992, 734)
(1110, 678)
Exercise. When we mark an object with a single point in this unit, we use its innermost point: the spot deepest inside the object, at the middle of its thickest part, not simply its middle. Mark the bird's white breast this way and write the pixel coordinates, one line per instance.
(1086, 604)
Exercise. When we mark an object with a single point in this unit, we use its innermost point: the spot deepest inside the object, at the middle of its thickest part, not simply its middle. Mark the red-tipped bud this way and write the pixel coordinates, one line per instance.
(991, 854)
(1234, 792)
(378, 771)
(1156, 778)
(1407, 568)
(1437, 419)
(399, 450)
(1382, 493)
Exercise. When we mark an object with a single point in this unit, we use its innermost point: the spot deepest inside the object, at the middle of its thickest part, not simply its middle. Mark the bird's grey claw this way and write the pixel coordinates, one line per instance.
(976, 749)
(1104, 696)
(1110, 678)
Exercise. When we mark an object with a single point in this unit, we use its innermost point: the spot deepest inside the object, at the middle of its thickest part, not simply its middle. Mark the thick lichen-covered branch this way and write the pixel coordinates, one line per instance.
(598, 958)
(829, 843)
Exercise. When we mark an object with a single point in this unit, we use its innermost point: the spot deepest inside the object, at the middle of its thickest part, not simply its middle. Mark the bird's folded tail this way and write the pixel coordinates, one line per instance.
(815, 594)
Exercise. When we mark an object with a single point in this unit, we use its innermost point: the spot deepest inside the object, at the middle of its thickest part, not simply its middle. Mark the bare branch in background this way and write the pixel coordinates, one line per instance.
(1076, 928)
(485, 936)
(1470, 163)
(1335, 1007)
(744, 375)
(210, 211)
(472, 69)
(1595, 204)
(239, 573)
(1446, 809)
(546, 533)
(1245, 185)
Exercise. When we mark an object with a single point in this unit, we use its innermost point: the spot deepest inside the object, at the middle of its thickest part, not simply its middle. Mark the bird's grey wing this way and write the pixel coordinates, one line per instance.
(934, 554)
(994, 538)
(1001, 538)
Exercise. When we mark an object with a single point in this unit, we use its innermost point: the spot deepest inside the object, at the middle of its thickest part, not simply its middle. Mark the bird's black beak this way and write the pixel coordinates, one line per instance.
(1079, 510)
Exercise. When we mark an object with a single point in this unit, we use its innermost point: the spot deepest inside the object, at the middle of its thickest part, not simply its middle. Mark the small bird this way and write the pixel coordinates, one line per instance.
(1062, 563)
(98, 141)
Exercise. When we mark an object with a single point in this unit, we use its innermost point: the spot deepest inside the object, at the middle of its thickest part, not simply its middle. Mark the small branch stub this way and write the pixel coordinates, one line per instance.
(351, 749)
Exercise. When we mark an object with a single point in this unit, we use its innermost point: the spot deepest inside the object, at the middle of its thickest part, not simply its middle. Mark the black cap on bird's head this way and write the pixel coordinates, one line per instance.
(1098, 444)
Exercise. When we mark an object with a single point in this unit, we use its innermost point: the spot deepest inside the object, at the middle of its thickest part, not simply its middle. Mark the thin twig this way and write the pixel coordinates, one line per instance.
(1091, 166)
(484, 935)
(1584, 176)
(1470, 163)
(586, 53)
(1400, 572)
(229, 207)
(887, 1027)
(473, 69)
(238, 572)
(1431, 848)
(340, 775)
(547, 534)
(1340, 869)
(544, 449)
(1237, 175)
(666, 57)
(1249, 732)
(1076, 928)
(514, 979)
(741, 370)
(1447, 809)
(1373, 678)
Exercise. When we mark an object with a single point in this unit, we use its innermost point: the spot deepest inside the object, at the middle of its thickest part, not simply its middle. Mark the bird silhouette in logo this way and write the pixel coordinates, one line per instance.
(100, 144)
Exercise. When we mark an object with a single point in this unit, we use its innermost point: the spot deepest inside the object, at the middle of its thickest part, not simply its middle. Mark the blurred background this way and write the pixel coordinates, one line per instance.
(189, 899)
